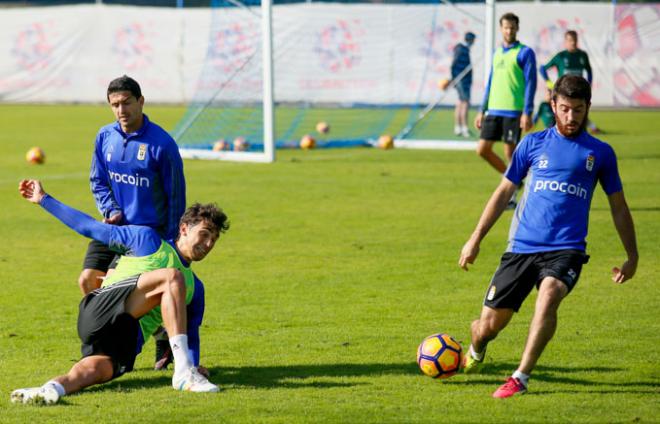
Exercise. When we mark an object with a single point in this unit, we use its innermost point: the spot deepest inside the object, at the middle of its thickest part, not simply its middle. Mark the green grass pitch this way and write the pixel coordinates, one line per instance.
(338, 263)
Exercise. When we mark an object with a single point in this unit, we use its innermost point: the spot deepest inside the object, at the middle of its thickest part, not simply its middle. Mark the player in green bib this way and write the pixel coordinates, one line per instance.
(571, 61)
(508, 100)
(152, 285)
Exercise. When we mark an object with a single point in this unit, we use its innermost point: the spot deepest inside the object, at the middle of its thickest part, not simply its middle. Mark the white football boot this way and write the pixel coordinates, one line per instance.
(192, 381)
(45, 395)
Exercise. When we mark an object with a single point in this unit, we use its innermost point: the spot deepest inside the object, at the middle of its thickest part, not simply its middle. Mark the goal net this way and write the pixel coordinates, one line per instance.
(363, 70)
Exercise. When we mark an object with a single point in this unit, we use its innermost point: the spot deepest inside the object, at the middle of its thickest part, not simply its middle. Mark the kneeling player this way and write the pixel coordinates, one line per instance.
(153, 285)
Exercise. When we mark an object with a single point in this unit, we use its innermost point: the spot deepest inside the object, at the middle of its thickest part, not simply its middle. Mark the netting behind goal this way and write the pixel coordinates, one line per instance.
(364, 69)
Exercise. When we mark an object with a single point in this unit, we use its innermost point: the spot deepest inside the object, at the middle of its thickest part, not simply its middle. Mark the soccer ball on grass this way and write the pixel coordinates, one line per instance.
(221, 145)
(385, 142)
(307, 142)
(439, 356)
(241, 144)
(322, 127)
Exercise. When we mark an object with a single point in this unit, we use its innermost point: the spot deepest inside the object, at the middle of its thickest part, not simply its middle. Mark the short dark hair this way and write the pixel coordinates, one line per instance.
(510, 17)
(572, 87)
(469, 36)
(209, 212)
(124, 83)
(571, 33)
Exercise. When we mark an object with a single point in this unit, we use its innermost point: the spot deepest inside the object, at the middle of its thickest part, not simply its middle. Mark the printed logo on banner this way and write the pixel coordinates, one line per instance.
(131, 44)
(634, 46)
(339, 45)
(33, 46)
(231, 47)
(438, 44)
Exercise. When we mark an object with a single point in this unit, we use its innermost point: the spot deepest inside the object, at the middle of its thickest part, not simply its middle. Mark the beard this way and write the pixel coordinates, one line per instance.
(572, 128)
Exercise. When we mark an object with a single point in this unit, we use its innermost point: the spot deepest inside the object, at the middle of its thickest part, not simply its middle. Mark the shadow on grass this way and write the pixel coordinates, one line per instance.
(594, 392)
(563, 375)
(156, 380)
(307, 376)
(296, 376)
(291, 376)
(505, 367)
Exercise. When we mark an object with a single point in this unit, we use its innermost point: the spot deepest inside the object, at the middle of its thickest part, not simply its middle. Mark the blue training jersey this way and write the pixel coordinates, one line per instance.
(141, 175)
(131, 240)
(553, 213)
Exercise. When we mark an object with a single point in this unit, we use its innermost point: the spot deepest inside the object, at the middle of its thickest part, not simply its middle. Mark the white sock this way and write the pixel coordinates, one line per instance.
(524, 378)
(179, 345)
(478, 356)
(57, 386)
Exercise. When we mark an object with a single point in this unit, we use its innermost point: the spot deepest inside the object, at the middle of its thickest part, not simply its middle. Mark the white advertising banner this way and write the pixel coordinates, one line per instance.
(324, 53)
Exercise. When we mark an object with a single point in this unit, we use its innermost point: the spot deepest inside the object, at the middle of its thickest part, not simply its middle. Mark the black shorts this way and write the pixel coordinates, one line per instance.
(463, 90)
(105, 328)
(100, 257)
(493, 128)
(519, 273)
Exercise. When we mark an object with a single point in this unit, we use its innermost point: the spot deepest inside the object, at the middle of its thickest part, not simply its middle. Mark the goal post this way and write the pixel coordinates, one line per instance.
(231, 116)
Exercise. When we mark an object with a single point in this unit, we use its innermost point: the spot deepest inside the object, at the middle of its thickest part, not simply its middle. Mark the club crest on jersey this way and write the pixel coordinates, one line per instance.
(142, 152)
(590, 162)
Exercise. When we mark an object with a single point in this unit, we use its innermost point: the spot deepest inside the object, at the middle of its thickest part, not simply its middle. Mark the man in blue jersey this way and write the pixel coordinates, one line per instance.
(136, 178)
(153, 285)
(508, 100)
(461, 73)
(547, 243)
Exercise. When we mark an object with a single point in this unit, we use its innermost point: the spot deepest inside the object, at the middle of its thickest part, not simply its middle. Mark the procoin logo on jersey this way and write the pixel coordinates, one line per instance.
(134, 180)
(142, 152)
(562, 187)
(590, 163)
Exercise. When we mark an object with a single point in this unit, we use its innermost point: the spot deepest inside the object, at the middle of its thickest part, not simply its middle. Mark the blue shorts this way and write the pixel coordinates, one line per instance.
(463, 90)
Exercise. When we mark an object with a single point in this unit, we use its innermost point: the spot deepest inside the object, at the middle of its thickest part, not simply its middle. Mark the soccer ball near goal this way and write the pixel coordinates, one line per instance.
(220, 145)
(322, 127)
(307, 142)
(241, 144)
(439, 356)
(35, 155)
(385, 142)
